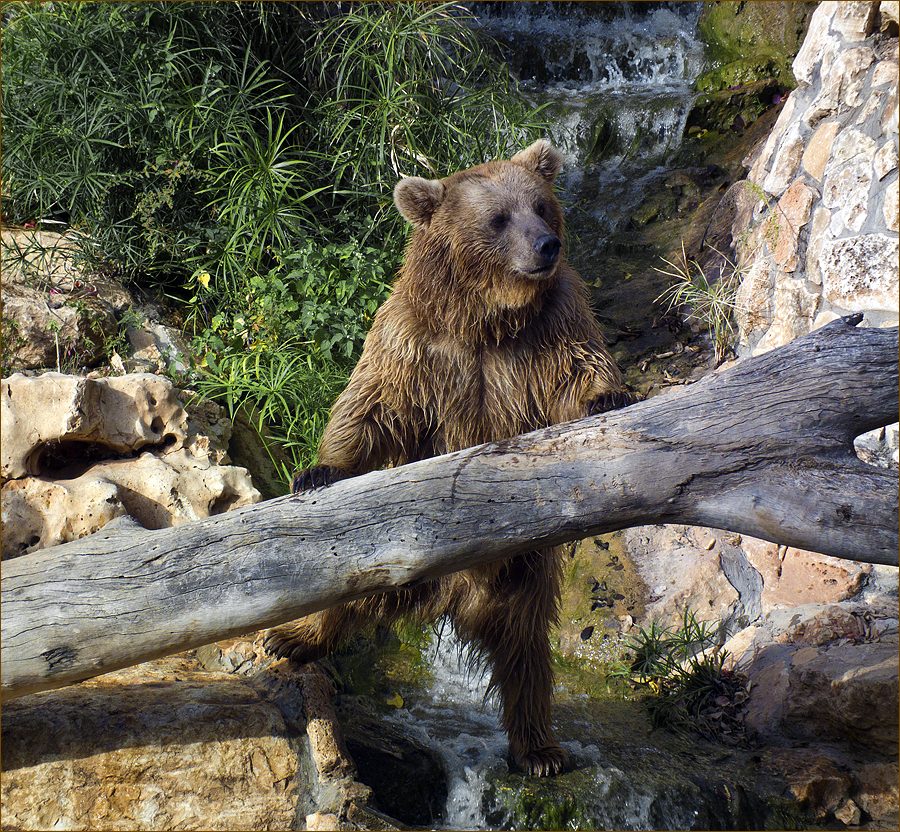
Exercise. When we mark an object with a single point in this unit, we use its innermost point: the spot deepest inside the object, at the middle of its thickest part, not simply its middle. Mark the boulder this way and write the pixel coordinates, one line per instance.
(159, 746)
(78, 452)
(53, 419)
(54, 315)
(158, 491)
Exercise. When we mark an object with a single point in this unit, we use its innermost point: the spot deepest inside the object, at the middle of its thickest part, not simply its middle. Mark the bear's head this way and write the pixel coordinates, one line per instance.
(500, 221)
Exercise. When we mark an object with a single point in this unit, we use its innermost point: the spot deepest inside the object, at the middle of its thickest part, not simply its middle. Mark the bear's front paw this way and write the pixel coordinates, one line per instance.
(543, 762)
(318, 476)
(613, 401)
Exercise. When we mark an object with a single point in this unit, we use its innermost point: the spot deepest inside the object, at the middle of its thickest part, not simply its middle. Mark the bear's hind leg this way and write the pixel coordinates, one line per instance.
(513, 631)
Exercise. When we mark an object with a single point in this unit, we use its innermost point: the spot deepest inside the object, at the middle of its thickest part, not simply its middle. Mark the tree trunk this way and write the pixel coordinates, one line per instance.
(764, 448)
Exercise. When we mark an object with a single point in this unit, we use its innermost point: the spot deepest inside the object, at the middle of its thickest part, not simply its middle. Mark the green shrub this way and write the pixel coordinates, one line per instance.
(239, 158)
(691, 687)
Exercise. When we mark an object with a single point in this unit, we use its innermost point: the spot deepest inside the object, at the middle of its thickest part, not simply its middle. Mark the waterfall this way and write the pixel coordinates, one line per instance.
(616, 81)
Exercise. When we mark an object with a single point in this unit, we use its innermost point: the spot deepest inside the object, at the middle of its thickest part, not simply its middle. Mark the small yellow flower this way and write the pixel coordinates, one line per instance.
(203, 279)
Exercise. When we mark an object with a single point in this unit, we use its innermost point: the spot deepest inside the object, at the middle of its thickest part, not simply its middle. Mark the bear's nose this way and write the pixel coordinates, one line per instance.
(547, 247)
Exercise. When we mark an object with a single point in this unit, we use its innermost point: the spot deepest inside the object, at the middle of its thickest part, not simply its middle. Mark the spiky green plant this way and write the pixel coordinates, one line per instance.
(711, 301)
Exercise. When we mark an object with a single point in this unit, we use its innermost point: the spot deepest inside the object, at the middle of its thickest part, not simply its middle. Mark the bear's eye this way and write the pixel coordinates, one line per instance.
(498, 221)
(540, 209)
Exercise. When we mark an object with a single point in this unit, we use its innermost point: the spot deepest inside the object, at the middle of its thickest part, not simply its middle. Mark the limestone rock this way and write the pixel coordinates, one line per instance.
(817, 37)
(818, 149)
(680, 573)
(793, 309)
(157, 491)
(785, 162)
(854, 20)
(41, 332)
(64, 439)
(54, 314)
(792, 577)
(818, 233)
(889, 10)
(848, 176)
(861, 272)
(890, 207)
(38, 513)
(791, 214)
(876, 791)
(160, 746)
(847, 693)
(47, 418)
(814, 779)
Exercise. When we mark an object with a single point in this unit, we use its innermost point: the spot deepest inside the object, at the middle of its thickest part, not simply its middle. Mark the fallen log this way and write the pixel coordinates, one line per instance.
(764, 448)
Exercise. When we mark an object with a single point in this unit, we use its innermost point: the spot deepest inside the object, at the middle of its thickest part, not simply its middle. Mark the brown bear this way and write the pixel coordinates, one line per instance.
(487, 334)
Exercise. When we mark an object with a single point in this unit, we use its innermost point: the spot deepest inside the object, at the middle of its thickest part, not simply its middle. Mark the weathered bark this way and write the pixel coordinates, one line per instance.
(765, 448)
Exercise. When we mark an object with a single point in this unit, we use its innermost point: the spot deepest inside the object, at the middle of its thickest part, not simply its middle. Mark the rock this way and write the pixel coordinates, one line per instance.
(255, 453)
(846, 693)
(848, 176)
(322, 821)
(818, 149)
(160, 746)
(860, 272)
(680, 574)
(64, 439)
(406, 776)
(813, 779)
(37, 513)
(818, 233)
(793, 309)
(754, 300)
(817, 38)
(792, 577)
(785, 162)
(791, 214)
(876, 789)
(826, 316)
(842, 82)
(157, 348)
(39, 332)
(848, 813)
(157, 491)
(54, 315)
(51, 420)
(886, 72)
(855, 20)
(890, 208)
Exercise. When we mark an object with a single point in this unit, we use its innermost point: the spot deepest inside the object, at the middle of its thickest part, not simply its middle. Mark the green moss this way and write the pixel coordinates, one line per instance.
(751, 41)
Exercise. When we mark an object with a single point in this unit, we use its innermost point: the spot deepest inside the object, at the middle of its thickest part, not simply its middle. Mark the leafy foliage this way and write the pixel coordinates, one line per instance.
(239, 158)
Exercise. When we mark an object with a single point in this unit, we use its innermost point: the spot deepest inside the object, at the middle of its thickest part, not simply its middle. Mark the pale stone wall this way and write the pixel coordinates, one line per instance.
(816, 230)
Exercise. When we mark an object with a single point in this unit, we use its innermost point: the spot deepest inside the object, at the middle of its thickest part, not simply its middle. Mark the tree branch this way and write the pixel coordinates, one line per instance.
(764, 448)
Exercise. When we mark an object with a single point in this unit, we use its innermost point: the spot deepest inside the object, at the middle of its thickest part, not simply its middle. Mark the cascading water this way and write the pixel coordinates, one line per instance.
(616, 81)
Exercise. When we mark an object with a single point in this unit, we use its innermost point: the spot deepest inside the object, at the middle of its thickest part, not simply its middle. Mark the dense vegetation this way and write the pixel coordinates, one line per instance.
(239, 158)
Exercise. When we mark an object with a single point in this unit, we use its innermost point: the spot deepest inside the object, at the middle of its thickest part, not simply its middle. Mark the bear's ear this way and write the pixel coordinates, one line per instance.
(417, 199)
(541, 158)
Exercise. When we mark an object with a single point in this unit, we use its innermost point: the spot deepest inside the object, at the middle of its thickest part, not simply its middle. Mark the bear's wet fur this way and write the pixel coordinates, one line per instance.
(487, 334)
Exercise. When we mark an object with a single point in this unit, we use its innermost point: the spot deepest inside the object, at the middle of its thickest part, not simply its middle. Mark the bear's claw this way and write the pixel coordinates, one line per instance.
(288, 646)
(613, 401)
(317, 476)
(543, 762)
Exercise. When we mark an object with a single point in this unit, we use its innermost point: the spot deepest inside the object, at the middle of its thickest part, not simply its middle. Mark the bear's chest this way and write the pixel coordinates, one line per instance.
(482, 393)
